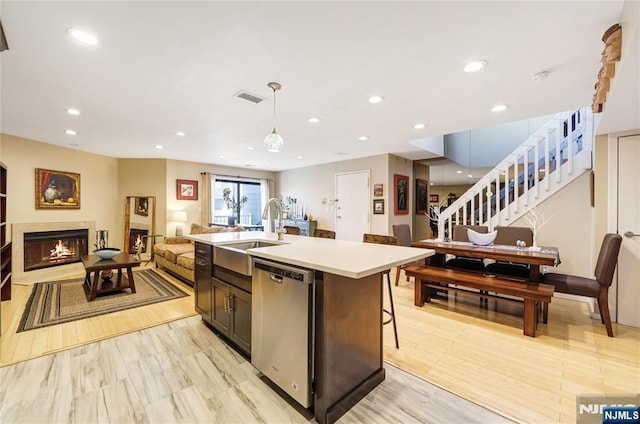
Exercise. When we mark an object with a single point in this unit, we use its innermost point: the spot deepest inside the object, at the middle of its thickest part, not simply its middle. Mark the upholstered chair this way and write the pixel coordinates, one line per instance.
(402, 232)
(509, 236)
(597, 287)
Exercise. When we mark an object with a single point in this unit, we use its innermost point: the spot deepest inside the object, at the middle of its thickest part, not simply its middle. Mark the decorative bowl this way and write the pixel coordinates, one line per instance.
(107, 252)
(481, 239)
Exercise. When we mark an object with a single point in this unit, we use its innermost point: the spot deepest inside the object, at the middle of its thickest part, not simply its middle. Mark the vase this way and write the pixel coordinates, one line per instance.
(50, 194)
(231, 220)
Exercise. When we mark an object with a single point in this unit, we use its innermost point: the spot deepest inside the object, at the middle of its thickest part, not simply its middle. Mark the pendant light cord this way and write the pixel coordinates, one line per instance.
(274, 109)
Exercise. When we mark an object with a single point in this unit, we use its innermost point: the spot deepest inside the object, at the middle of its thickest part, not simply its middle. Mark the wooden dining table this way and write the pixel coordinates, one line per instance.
(533, 258)
(533, 294)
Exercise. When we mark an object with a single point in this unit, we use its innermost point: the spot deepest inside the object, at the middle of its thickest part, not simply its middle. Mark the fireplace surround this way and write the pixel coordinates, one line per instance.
(18, 230)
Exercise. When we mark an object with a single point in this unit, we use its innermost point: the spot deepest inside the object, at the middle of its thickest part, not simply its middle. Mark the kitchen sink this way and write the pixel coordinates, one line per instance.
(234, 256)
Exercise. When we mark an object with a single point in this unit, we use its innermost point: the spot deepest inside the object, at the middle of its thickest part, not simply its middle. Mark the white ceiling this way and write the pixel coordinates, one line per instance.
(161, 67)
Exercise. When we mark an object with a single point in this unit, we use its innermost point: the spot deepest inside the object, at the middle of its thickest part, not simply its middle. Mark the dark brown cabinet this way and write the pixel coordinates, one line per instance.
(231, 314)
(5, 247)
(203, 285)
(223, 300)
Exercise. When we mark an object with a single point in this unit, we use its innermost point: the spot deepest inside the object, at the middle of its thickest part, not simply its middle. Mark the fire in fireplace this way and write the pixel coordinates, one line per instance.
(137, 236)
(52, 248)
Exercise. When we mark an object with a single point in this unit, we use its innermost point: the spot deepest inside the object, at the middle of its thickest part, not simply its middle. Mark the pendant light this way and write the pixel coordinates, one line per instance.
(273, 142)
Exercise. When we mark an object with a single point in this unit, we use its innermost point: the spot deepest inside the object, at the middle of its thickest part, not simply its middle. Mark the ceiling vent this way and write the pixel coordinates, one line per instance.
(250, 97)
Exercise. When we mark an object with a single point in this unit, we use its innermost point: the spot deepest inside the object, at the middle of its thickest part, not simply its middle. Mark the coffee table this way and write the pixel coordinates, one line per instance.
(93, 263)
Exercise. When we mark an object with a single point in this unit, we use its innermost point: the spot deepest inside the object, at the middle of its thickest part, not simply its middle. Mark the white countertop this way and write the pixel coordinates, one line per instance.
(347, 258)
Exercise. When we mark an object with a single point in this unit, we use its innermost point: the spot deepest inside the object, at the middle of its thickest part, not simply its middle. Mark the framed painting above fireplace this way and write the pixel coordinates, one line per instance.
(57, 189)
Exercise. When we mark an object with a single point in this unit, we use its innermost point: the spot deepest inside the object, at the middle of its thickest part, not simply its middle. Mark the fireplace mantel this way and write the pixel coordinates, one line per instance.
(19, 276)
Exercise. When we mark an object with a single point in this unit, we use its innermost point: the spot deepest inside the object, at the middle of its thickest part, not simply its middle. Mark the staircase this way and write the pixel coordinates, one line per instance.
(552, 157)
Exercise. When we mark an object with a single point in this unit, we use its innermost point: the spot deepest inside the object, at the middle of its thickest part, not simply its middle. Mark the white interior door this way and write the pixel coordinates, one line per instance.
(628, 291)
(352, 205)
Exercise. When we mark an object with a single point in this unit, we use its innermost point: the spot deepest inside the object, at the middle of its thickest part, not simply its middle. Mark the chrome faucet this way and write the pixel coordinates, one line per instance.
(265, 215)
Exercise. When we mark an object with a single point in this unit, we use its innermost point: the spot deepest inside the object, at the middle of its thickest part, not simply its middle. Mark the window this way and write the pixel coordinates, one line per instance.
(242, 196)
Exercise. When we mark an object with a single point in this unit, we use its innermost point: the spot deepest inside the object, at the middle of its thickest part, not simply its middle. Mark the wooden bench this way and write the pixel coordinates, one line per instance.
(531, 294)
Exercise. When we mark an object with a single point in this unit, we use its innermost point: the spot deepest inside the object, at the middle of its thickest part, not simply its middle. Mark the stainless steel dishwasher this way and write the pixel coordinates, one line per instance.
(281, 326)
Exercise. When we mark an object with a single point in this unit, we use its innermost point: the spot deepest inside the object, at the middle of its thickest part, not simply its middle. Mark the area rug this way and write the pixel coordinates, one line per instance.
(58, 302)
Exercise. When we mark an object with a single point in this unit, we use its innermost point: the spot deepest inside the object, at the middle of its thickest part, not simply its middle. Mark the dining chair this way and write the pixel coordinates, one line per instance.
(463, 262)
(597, 287)
(324, 233)
(402, 232)
(292, 230)
(508, 236)
(382, 239)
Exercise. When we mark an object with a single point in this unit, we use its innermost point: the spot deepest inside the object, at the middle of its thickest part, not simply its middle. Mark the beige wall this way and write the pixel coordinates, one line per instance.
(311, 184)
(601, 191)
(142, 178)
(98, 184)
(181, 170)
(99, 197)
(569, 227)
(443, 191)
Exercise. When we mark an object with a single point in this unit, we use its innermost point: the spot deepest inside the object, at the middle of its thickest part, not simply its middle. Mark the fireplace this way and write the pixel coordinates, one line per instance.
(44, 249)
(137, 236)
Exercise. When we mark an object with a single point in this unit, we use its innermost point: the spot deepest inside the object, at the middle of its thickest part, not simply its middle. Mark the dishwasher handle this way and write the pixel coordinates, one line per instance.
(276, 278)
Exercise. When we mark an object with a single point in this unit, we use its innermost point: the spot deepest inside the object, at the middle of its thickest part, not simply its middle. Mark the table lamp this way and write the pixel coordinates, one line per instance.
(179, 216)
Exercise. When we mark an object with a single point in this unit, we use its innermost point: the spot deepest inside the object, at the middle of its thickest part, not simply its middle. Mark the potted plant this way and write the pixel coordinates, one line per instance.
(234, 206)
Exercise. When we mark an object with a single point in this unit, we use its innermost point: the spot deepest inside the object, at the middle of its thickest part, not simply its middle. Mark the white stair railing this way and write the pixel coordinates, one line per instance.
(539, 167)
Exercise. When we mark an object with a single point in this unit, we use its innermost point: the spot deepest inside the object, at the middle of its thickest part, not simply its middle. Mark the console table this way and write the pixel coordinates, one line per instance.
(306, 227)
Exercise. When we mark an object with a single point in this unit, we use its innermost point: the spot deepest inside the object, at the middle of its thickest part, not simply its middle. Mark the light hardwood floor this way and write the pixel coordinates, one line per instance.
(16, 347)
(480, 354)
(477, 353)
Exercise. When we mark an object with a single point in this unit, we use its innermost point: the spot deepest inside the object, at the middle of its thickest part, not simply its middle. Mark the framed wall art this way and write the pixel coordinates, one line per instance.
(187, 190)
(378, 190)
(141, 206)
(401, 194)
(378, 206)
(57, 189)
(421, 196)
(434, 198)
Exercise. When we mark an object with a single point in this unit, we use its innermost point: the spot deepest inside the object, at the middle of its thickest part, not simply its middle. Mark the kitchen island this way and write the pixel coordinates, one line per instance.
(347, 309)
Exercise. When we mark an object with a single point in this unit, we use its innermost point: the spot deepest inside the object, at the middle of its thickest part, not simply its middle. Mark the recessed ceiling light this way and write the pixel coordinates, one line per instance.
(363, 138)
(499, 108)
(158, 146)
(469, 175)
(458, 172)
(375, 99)
(180, 133)
(298, 157)
(419, 126)
(83, 36)
(72, 111)
(74, 144)
(250, 147)
(430, 183)
(475, 66)
(221, 156)
(314, 120)
(70, 132)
